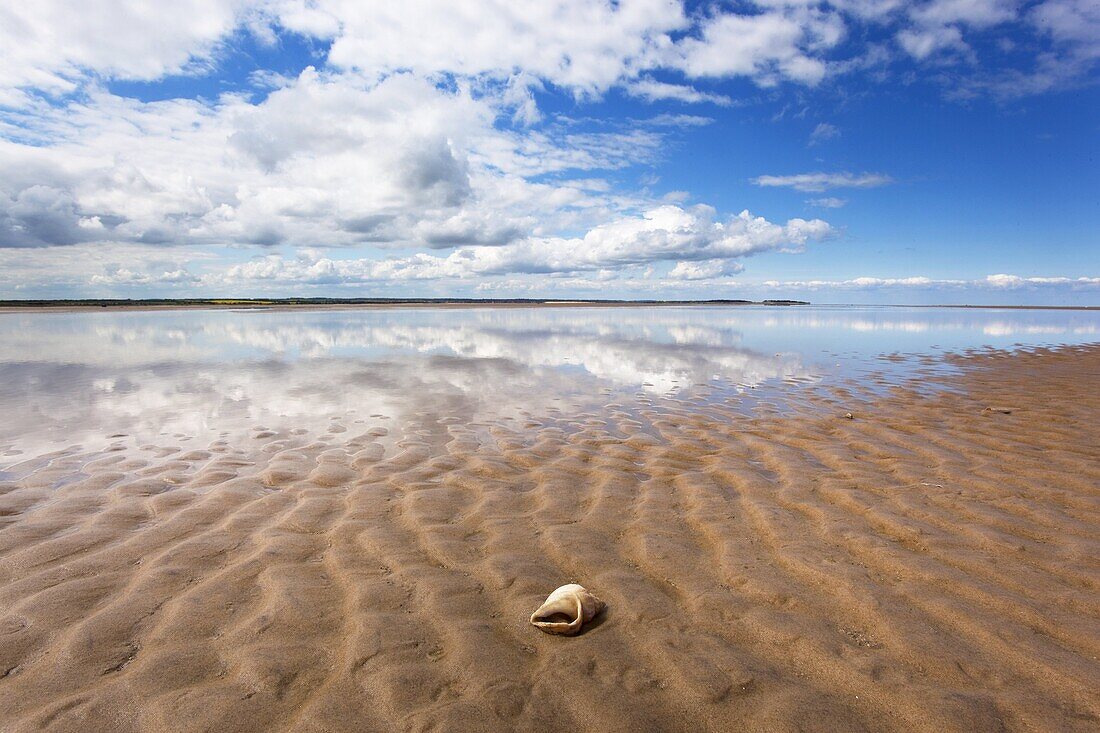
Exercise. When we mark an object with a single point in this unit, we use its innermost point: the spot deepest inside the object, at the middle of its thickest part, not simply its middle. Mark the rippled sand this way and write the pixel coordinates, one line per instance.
(930, 564)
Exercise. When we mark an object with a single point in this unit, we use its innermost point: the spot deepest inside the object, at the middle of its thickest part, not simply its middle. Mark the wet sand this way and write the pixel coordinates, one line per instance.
(930, 564)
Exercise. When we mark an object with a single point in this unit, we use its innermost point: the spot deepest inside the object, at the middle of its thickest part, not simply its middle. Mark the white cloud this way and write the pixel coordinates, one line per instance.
(1062, 38)
(420, 130)
(577, 45)
(693, 242)
(827, 202)
(937, 26)
(126, 276)
(822, 132)
(397, 163)
(652, 90)
(817, 182)
(580, 46)
(976, 13)
(1074, 28)
(1012, 282)
(861, 283)
(72, 268)
(874, 10)
(1070, 21)
(768, 47)
(705, 270)
(664, 234)
(583, 46)
(921, 43)
(51, 44)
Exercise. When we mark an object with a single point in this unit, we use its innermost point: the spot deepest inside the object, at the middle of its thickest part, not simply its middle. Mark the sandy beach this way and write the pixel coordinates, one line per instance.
(931, 564)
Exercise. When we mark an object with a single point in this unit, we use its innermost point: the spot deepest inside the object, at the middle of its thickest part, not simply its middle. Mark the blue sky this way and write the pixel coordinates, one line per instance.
(860, 151)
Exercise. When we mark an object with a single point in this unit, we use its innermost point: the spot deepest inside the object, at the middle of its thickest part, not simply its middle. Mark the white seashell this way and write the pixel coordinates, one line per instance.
(566, 610)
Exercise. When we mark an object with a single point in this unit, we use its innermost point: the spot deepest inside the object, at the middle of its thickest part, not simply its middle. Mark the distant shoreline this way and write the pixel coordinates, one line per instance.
(76, 305)
(330, 303)
(1004, 307)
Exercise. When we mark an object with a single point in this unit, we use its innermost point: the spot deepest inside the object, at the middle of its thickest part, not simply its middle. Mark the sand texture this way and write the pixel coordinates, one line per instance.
(927, 565)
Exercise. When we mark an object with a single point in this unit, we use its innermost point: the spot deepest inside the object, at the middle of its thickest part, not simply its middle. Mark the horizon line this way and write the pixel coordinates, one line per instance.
(326, 301)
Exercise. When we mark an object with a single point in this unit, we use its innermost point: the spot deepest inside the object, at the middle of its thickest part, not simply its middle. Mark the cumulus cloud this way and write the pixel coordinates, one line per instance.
(769, 46)
(50, 45)
(126, 276)
(419, 131)
(1010, 282)
(1075, 22)
(976, 13)
(584, 47)
(1074, 28)
(705, 270)
(71, 269)
(817, 182)
(40, 215)
(663, 234)
(921, 43)
(862, 283)
(400, 162)
(938, 25)
(665, 243)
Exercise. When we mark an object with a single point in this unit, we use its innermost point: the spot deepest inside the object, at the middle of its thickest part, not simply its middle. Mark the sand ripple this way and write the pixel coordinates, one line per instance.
(928, 565)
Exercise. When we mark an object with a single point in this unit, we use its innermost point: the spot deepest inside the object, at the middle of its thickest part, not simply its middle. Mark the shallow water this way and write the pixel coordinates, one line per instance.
(92, 379)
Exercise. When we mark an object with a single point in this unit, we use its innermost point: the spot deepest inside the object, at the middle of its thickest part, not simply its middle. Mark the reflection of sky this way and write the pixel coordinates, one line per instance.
(68, 377)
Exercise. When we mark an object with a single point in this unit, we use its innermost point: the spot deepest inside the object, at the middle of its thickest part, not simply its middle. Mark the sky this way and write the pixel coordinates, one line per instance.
(860, 151)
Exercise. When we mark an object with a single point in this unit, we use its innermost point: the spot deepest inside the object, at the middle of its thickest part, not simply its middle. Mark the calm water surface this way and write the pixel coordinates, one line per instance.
(91, 379)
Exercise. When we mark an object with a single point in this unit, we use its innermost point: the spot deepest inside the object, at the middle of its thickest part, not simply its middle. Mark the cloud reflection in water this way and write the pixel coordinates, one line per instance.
(75, 378)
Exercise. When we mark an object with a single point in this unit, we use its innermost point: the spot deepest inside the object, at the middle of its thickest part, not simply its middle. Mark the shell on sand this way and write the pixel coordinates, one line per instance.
(566, 610)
